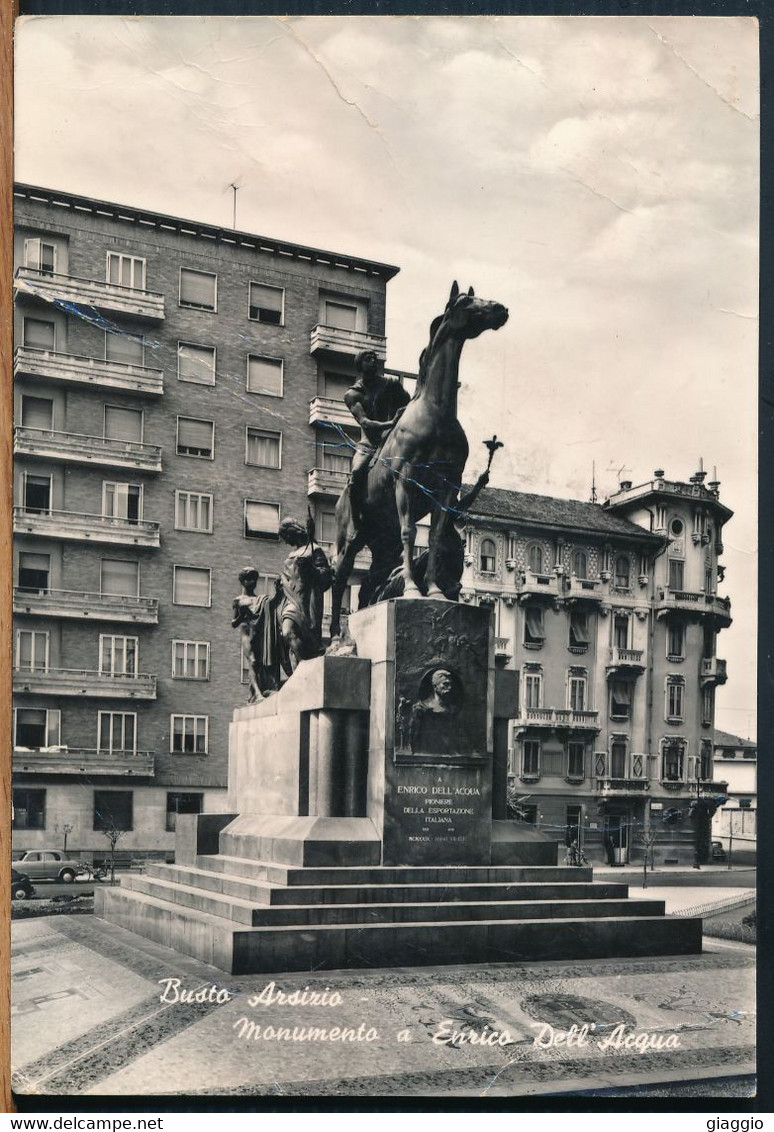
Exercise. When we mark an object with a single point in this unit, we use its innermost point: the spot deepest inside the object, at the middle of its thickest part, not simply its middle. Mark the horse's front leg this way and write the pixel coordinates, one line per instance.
(438, 523)
(408, 534)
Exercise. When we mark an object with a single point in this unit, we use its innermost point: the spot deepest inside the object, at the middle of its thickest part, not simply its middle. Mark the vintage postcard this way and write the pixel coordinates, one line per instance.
(384, 557)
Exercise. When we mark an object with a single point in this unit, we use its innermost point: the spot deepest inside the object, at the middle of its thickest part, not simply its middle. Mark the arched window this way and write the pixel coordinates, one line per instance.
(487, 556)
(580, 564)
(535, 557)
(622, 572)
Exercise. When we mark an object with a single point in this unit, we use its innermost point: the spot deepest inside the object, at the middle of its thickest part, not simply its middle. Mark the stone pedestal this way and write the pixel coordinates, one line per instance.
(431, 729)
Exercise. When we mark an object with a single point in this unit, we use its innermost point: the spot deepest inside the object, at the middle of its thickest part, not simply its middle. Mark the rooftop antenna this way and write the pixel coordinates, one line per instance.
(593, 498)
(235, 187)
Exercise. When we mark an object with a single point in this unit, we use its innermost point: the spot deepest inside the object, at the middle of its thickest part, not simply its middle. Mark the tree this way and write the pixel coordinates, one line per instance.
(112, 833)
(646, 838)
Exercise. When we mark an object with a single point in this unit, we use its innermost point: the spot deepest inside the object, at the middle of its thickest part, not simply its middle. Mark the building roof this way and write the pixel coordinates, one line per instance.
(250, 240)
(548, 511)
(726, 739)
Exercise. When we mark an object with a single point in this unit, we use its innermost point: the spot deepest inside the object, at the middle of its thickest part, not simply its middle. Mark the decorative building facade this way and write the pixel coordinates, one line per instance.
(735, 825)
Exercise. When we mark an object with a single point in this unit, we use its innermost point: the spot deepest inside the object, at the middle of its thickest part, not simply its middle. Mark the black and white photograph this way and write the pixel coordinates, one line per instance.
(384, 557)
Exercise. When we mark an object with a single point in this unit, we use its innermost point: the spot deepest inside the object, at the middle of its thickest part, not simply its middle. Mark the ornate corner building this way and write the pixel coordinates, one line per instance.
(609, 616)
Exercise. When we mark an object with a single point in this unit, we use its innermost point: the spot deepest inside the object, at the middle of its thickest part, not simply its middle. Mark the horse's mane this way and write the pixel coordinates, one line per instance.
(423, 357)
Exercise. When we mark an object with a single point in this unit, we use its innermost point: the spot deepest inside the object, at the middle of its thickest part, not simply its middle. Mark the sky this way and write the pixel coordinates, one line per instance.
(597, 175)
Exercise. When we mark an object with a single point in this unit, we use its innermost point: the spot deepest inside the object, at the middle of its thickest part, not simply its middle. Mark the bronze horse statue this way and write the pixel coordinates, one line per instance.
(419, 467)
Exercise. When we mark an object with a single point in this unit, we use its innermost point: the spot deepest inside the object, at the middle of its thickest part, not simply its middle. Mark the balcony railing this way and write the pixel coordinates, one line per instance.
(77, 370)
(713, 670)
(530, 583)
(72, 760)
(558, 717)
(322, 481)
(326, 410)
(54, 287)
(691, 601)
(97, 607)
(631, 659)
(622, 786)
(333, 340)
(76, 682)
(586, 588)
(74, 527)
(101, 451)
(502, 646)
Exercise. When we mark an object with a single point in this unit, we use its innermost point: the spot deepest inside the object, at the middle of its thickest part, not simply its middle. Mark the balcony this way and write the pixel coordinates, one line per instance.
(96, 607)
(93, 372)
(559, 718)
(327, 411)
(622, 787)
(713, 670)
(100, 451)
(71, 760)
(333, 340)
(52, 287)
(70, 526)
(324, 482)
(75, 682)
(626, 661)
(583, 589)
(503, 648)
(547, 585)
(697, 602)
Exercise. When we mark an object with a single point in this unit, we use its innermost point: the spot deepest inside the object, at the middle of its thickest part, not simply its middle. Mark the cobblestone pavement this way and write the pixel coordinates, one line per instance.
(88, 1019)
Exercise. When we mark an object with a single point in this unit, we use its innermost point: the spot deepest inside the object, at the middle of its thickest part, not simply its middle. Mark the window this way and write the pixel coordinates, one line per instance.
(672, 760)
(707, 705)
(39, 334)
(118, 655)
(193, 511)
(182, 804)
(620, 699)
(577, 693)
(579, 629)
(580, 564)
(487, 557)
(530, 757)
(709, 580)
(37, 494)
(576, 760)
(119, 577)
(621, 632)
(125, 348)
(198, 289)
(535, 559)
(37, 412)
(188, 734)
(335, 457)
(708, 644)
(705, 761)
(191, 585)
(335, 385)
(191, 660)
(29, 809)
(676, 573)
(534, 632)
(117, 731)
(618, 759)
(196, 363)
(263, 449)
(326, 526)
(122, 501)
(40, 256)
(340, 315)
(622, 569)
(261, 519)
(676, 640)
(527, 812)
(125, 271)
(676, 527)
(113, 809)
(195, 437)
(37, 728)
(266, 303)
(264, 375)
(533, 689)
(34, 572)
(31, 650)
(123, 424)
(675, 696)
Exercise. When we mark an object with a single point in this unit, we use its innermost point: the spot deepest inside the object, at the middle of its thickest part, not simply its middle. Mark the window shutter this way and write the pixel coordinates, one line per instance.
(128, 349)
(197, 289)
(32, 254)
(341, 316)
(580, 628)
(195, 434)
(39, 334)
(534, 615)
(37, 412)
(266, 303)
(123, 424)
(53, 728)
(192, 585)
(196, 363)
(120, 577)
(264, 375)
(262, 517)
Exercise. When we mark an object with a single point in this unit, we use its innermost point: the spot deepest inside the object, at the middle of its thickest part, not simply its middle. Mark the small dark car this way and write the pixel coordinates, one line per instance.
(21, 886)
(718, 852)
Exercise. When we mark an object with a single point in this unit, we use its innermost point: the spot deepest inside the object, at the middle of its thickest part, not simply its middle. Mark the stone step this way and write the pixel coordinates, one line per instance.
(263, 892)
(272, 950)
(406, 874)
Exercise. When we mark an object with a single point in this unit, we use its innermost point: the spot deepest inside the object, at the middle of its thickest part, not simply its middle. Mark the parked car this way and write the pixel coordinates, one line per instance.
(48, 864)
(21, 886)
(718, 852)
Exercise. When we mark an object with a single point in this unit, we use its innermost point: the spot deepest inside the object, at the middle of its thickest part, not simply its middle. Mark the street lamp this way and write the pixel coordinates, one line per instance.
(697, 837)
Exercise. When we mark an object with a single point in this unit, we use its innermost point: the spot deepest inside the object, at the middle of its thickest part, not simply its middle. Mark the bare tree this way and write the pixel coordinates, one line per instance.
(646, 838)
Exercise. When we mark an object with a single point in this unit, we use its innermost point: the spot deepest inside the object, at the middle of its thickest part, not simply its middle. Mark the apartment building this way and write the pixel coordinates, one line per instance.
(177, 393)
(610, 615)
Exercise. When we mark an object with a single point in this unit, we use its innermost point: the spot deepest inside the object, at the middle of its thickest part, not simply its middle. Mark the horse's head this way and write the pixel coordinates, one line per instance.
(468, 316)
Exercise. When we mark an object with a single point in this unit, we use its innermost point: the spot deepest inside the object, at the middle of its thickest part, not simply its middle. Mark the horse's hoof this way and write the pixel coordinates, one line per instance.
(437, 593)
(411, 591)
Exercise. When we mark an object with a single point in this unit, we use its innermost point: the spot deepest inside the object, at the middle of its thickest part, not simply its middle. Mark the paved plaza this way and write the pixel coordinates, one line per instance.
(88, 1020)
